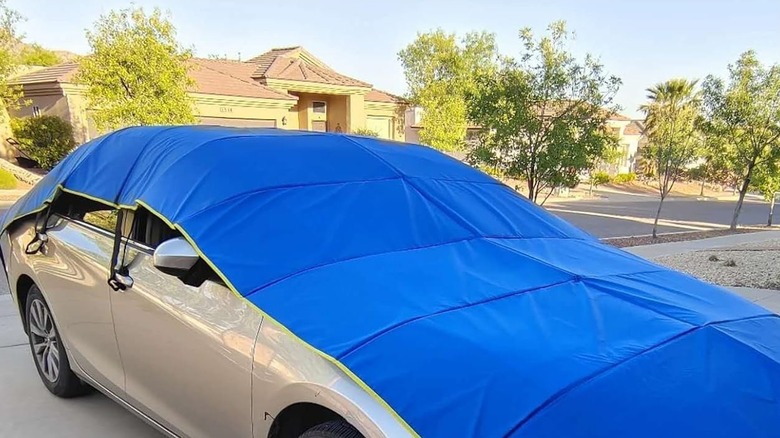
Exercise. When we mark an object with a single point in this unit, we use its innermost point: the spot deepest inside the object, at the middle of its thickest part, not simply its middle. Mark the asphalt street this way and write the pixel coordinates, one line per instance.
(619, 215)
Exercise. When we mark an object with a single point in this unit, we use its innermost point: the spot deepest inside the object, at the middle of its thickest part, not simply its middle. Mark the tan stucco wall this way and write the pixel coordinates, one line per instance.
(304, 106)
(337, 113)
(392, 113)
(356, 112)
(293, 119)
(56, 105)
(242, 108)
(350, 111)
(49, 100)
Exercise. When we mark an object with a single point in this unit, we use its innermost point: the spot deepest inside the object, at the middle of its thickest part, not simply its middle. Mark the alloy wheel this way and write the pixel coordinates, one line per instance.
(44, 339)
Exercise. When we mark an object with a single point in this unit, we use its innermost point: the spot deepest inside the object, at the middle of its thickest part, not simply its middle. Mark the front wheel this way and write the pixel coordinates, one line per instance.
(47, 349)
(332, 429)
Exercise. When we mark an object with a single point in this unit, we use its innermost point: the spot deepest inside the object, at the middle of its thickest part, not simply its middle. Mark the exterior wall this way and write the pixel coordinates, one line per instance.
(630, 144)
(412, 119)
(51, 104)
(387, 119)
(304, 108)
(45, 99)
(243, 109)
(348, 111)
(356, 112)
(337, 113)
(627, 145)
(84, 128)
(291, 120)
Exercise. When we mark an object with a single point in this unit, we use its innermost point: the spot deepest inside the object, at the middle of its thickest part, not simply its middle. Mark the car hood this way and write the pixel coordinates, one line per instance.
(465, 309)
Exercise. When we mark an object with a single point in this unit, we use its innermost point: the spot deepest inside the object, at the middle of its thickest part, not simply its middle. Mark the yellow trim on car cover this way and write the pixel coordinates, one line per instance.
(224, 278)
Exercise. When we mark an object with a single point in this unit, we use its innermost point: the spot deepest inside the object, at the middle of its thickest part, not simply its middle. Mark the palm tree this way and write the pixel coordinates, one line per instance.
(673, 96)
(671, 115)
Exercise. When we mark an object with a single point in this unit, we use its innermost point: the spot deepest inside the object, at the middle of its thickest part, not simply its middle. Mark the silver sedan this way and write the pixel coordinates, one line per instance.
(185, 354)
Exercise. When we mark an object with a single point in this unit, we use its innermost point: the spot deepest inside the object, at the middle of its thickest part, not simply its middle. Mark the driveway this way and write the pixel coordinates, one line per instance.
(28, 410)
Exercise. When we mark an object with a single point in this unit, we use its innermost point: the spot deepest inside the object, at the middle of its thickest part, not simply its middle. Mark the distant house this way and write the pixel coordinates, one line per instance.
(286, 88)
(630, 134)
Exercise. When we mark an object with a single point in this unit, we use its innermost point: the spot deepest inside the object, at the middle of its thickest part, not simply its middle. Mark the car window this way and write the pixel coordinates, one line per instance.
(105, 219)
(86, 210)
(149, 229)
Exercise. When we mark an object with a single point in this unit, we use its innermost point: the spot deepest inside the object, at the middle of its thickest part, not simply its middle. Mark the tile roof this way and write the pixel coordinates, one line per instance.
(618, 116)
(57, 73)
(235, 78)
(296, 64)
(226, 78)
(636, 127)
(381, 96)
(261, 62)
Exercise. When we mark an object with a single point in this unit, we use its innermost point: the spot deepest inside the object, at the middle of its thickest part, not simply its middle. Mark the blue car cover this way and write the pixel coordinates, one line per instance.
(462, 307)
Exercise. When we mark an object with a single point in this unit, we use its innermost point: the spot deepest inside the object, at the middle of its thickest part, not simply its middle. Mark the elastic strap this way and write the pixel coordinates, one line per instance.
(115, 252)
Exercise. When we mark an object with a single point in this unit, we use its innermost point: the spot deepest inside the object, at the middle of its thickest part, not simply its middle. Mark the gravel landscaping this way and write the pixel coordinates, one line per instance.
(748, 265)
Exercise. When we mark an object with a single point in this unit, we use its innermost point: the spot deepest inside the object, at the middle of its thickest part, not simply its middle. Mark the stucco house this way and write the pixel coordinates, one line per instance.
(631, 137)
(286, 88)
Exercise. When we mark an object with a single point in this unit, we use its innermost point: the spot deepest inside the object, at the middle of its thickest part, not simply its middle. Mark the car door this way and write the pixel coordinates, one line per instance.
(187, 350)
(72, 269)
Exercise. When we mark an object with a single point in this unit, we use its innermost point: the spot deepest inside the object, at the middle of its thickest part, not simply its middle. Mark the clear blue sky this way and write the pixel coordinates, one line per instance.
(643, 42)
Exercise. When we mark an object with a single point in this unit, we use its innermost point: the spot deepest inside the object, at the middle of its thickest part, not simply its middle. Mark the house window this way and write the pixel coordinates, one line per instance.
(36, 111)
(318, 107)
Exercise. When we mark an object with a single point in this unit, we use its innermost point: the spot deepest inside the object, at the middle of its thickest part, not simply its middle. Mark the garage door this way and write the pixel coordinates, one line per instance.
(382, 125)
(238, 123)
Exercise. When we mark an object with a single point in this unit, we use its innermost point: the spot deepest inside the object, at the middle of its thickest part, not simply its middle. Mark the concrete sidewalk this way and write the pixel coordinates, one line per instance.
(664, 249)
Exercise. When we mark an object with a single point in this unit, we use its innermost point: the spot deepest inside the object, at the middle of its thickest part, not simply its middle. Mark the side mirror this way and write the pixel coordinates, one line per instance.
(175, 256)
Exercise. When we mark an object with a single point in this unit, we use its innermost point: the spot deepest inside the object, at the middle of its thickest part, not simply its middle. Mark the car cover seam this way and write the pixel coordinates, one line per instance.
(447, 212)
(511, 294)
(401, 250)
(121, 189)
(328, 183)
(595, 375)
(283, 187)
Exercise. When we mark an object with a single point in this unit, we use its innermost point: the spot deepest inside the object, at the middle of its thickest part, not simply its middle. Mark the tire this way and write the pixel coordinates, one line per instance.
(332, 429)
(48, 353)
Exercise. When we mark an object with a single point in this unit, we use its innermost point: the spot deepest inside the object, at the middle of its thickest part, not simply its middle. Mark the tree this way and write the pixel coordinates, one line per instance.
(10, 96)
(440, 71)
(610, 155)
(743, 119)
(767, 181)
(543, 116)
(137, 71)
(34, 54)
(45, 139)
(672, 114)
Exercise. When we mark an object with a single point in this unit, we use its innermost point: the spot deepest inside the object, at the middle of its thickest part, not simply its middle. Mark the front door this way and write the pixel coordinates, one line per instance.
(72, 269)
(319, 125)
(186, 349)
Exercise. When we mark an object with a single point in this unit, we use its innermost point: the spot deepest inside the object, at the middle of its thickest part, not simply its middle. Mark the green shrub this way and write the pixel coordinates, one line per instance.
(622, 178)
(45, 139)
(366, 132)
(7, 180)
(599, 178)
